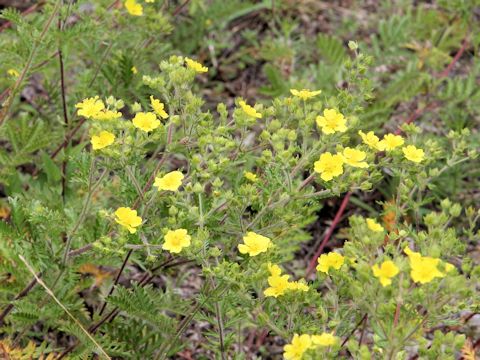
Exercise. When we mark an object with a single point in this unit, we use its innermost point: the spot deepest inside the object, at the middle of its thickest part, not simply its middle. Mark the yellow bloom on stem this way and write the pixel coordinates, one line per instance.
(329, 166)
(274, 269)
(305, 94)
(13, 73)
(278, 285)
(371, 140)
(134, 8)
(423, 268)
(249, 110)
(134, 70)
(158, 107)
(90, 107)
(374, 226)
(254, 244)
(332, 121)
(354, 157)
(324, 339)
(391, 141)
(176, 240)
(170, 182)
(330, 260)
(102, 140)
(298, 346)
(106, 114)
(250, 176)
(128, 218)
(385, 272)
(146, 121)
(413, 154)
(449, 267)
(298, 286)
(195, 65)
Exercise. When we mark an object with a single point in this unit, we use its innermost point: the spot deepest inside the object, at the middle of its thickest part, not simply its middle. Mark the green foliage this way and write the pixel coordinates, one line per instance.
(244, 169)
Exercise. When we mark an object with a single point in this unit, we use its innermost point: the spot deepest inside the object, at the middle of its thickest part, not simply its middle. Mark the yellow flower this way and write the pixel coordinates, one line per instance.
(413, 154)
(391, 141)
(332, 121)
(371, 140)
(305, 94)
(158, 107)
(90, 107)
(102, 140)
(106, 114)
(254, 244)
(195, 65)
(324, 339)
(274, 269)
(278, 285)
(449, 267)
(374, 226)
(329, 166)
(13, 73)
(354, 157)
(298, 286)
(330, 260)
(149, 1)
(423, 268)
(134, 8)
(146, 121)
(171, 181)
(385, 272)
(299, 344)
(250, 111)
(134, 70)
(250, 176)
(176, 240)
(128, 218)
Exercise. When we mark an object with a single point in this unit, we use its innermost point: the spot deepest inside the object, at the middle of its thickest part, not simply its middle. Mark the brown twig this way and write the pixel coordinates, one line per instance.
(396, 317)
(180, 8)
(129, 253)
(64, 107)
(364, 318)
(146, 279)
(20, 295)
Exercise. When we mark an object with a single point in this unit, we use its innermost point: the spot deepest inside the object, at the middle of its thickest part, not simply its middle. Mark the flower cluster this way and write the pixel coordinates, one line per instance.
(305, 94)
(279, 284)
(331, 260)
(302, 343)
(94, 108)
(330, 165)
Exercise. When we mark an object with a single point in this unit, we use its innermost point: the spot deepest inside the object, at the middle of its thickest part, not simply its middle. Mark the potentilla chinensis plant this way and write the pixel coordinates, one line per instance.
(173, 216)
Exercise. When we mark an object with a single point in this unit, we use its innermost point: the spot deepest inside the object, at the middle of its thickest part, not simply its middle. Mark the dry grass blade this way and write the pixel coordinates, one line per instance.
(50, 292)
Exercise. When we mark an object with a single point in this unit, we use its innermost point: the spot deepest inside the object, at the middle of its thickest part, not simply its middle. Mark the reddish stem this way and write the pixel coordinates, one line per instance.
(329, 233)
(455, 59)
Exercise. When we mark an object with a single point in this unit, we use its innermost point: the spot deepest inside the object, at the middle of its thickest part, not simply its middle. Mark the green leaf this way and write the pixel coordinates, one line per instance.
(50, 168)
